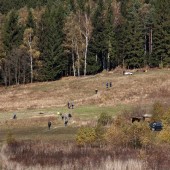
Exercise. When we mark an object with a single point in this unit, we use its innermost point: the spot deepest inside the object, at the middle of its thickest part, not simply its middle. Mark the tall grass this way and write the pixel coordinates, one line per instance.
(55, 155)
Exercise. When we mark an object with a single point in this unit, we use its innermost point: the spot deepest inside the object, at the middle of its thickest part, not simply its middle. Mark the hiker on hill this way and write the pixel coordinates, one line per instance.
(49, 125)
(69, 115)
(107, 85)
(96, 91)
(72, 105)
(110, 84)
(14, 116)
(68, 105)
(65, 123)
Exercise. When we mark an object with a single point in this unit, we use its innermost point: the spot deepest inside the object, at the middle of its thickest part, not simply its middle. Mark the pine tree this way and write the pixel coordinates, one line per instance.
(50, 44)
(12, 34)
(111, 43)
(131, 47)
(161, 33)
(97, 60)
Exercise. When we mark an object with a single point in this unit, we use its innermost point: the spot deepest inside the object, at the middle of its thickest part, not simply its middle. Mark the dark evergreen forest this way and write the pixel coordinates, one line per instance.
(44, 40)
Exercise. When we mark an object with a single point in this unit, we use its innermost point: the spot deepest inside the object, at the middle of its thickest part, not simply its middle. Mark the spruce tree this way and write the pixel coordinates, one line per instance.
(161, 33)
(131, 46)
(12, 32)
(51, 38)
(97, 60)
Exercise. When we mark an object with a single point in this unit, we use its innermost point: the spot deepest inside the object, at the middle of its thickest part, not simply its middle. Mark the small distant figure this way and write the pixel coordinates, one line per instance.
(72, 105)
(49, 125)
(14, 116)
(107, 85)
(96, 91)
(65, 122)
(68, 105)
(62, 117)
(110, 84)
(69, 115)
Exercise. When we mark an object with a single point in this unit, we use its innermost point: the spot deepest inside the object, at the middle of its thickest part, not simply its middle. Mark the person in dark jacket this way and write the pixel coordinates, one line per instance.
(49, 125)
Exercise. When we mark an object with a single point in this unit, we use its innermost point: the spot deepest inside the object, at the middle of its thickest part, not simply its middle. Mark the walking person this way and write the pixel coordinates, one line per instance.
(49, 125)
(107, 85)
(68, 105)
(72, 105)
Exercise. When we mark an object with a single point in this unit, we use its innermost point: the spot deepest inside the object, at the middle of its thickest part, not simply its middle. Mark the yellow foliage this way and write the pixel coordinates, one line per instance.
(86, 136)
(164, 135)
(115, 136)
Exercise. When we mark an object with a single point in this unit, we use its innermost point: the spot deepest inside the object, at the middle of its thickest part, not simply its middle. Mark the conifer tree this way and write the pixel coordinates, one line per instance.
(161, 33)
(50, 44)
(12, 34)
(133, 40)
(97, 60)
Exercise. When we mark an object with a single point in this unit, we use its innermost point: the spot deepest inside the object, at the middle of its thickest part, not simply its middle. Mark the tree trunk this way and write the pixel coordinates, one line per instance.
(85, 57)
(73, 59)
(74, 70)
(31, 67)
(150, 41)
(87, 42)
(108, 61)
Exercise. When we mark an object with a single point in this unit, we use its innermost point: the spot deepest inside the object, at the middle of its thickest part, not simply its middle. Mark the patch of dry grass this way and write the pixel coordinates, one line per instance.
(33, 155)
(141, 87)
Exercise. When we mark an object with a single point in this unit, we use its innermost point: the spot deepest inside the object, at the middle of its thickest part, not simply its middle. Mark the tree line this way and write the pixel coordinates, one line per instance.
(44, 41)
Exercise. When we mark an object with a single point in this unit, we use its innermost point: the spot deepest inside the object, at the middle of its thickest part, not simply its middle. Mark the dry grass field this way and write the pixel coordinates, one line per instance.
(28, 101)
(139, 87)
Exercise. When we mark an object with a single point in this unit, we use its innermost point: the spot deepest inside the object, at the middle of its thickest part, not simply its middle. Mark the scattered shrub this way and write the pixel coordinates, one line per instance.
(10, 138)
(115, 136)
(157, 111)
(104, 119)
(86, 136)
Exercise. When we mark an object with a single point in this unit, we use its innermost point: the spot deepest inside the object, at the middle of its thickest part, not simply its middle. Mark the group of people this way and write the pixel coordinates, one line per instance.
(65, 117)
(70, 105)
(108, 84)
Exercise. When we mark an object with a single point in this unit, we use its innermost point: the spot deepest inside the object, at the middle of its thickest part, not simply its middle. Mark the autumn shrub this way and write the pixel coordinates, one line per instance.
(86, 136)
(139, 135)
(115, 136)
(104, 119)
(10, 138)
(100, 134)
(163, 137)
(158, 111)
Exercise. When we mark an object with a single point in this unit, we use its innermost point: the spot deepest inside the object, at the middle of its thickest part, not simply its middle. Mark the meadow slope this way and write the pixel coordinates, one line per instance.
(140, 89)
(137, 88)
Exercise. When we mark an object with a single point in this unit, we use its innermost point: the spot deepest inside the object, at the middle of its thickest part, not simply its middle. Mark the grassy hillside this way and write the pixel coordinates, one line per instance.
(141, 88)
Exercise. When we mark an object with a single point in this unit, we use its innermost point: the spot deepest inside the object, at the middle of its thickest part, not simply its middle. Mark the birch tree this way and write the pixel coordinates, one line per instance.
(30, 44)
(74, 42)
